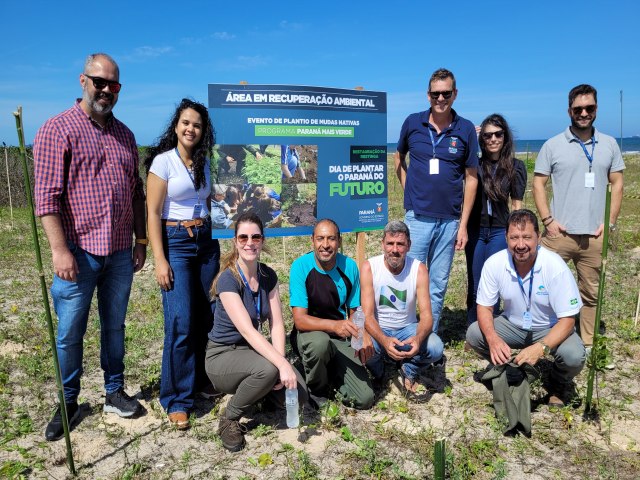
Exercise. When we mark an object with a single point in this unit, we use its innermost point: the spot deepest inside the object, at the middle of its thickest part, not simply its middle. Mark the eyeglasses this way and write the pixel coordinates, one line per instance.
(255, 238)
(445, 93)
(100, 83)
(486, 136)
(589, 108)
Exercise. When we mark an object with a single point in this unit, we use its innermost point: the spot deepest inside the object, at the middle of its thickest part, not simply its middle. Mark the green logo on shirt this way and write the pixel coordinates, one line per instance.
(393, 298)
(573, 301)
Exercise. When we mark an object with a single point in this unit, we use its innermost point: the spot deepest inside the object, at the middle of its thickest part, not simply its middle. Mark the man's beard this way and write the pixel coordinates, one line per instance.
(95, 105)
(578, 128)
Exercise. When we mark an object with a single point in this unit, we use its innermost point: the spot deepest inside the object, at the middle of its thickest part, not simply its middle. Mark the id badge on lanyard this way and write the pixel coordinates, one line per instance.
(434, 163)
(589, 177)
(197, 210)
(527, 319)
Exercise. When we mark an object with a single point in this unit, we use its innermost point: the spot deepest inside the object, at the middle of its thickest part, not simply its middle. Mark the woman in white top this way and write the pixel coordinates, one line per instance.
(186, 258)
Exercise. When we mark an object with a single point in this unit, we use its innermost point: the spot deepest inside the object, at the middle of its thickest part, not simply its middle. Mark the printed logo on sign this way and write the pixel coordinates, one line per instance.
(573, 301)
(379, 207)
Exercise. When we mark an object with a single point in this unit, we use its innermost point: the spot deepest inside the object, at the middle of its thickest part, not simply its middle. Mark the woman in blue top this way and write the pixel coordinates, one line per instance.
(501, 177)
(240, 360)
(186, 258)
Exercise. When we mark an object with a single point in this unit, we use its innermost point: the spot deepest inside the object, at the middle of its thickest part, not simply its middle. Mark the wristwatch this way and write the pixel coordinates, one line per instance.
(612, 227)
(545, 348)
(142, 241)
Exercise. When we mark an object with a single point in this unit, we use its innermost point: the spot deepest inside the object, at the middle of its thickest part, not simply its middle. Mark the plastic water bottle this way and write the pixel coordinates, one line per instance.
(291, 402)
(358, 319)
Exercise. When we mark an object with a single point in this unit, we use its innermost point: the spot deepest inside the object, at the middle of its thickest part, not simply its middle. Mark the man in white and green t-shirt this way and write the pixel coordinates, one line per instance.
(391, 285)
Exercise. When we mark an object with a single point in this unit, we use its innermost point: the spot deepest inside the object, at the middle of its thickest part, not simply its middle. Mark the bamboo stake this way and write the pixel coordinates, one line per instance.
(635, 321)
(439, 459)
(589, 410)
(6, 161)
(45, 295)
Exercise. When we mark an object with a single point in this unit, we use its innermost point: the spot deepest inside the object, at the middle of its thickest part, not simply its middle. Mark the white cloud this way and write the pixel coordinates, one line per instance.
(223, 36)
(145, 52)
(245, 62)
(284, 24)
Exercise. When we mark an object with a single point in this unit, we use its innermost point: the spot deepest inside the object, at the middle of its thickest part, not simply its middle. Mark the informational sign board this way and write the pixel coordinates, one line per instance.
(296, 154)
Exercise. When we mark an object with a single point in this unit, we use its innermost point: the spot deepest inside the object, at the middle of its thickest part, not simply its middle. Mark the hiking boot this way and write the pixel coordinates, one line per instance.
(55, 430)
(122, 404)
(232, 434)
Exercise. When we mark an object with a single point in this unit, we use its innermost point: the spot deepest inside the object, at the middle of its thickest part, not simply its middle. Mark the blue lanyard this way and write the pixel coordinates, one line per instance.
(193, 180)
(584, 149)
(246, 284)
(435, 143)
(521, 283)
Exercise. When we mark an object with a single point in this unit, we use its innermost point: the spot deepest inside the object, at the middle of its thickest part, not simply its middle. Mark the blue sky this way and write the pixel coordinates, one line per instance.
(516, 58)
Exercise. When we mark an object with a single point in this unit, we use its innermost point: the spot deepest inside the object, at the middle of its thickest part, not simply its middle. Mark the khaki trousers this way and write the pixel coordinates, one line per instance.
(586, 253)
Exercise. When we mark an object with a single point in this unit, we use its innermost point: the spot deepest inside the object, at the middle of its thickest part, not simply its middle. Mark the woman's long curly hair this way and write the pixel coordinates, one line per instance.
(497, 185)
(169, 140)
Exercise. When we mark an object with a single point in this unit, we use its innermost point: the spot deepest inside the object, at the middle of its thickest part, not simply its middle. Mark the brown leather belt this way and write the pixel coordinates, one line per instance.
(188, 224)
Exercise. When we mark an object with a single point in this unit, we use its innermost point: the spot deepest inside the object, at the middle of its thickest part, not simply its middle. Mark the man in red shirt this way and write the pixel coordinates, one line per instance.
(90, 199)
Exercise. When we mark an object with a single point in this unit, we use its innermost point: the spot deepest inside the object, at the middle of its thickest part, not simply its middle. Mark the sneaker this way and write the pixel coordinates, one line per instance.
(555, 401)
(232, 434)
(317, 401)
(55, 430)
(122, 404)
(564, 395)
(441, 363)
(209, 392)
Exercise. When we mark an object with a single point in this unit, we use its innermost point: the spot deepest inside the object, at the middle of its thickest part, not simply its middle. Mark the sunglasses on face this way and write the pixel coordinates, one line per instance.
(99, 83)
(255, 238)
(486, 136)
(578, 110)
(445, 93)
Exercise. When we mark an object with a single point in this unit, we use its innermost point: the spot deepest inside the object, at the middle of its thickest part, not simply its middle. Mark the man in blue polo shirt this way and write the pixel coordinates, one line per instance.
(439, 184)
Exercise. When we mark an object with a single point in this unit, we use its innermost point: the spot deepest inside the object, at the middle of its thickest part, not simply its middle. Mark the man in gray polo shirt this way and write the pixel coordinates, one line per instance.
(580, 161)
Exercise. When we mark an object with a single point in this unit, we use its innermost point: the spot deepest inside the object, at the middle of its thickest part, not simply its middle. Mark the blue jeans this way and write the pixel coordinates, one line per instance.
(430, 351)
(483, 242)
(188, 314)
(112, 276)
(433, 243)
